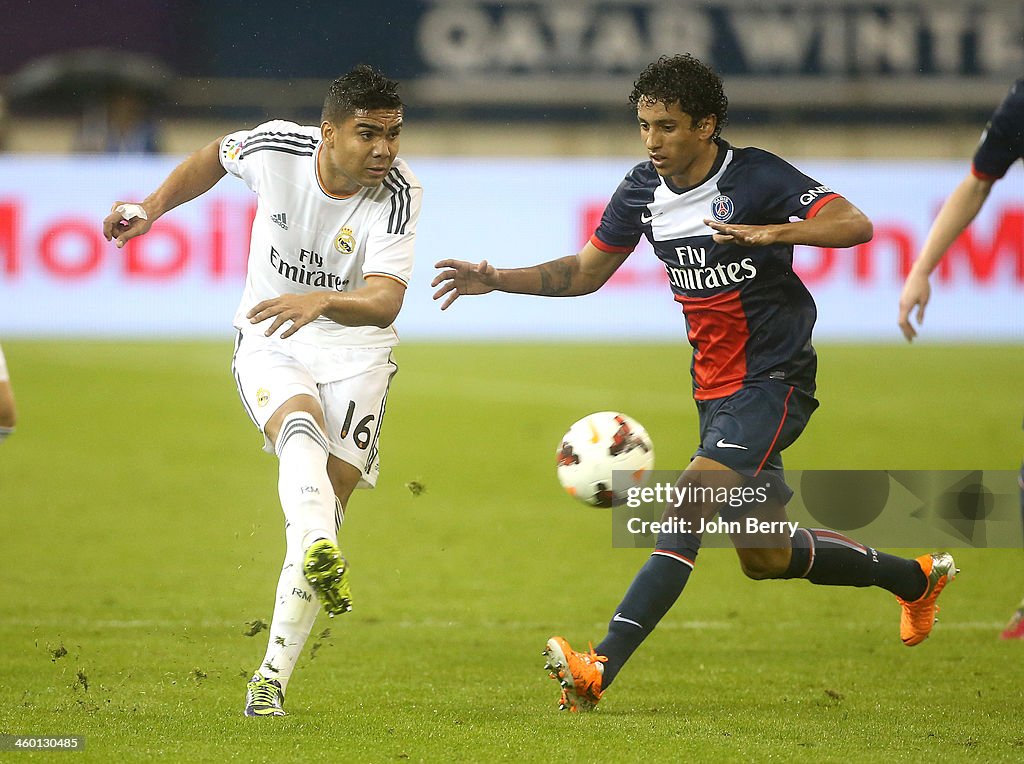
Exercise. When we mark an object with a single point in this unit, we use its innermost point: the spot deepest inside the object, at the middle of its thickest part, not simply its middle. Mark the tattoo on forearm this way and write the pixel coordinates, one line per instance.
(555, 278)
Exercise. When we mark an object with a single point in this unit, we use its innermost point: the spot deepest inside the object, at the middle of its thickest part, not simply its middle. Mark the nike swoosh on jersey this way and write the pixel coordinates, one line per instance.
(618, 617)
(722, 444)
(648, 218)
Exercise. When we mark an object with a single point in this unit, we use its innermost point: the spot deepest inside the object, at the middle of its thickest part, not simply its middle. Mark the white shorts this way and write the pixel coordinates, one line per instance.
(3, 367)
(351, 384)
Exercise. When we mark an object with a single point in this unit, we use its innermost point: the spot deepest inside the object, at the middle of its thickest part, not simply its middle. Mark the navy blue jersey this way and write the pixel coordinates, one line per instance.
(748, 315)
(1002, 143)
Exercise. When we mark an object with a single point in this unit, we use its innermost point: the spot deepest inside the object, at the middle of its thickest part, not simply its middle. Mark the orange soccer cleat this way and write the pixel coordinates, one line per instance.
(918, 617)
(579, 674)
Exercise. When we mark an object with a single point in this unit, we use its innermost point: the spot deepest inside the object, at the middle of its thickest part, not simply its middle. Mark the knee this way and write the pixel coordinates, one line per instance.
(8, 412)
(762, 564)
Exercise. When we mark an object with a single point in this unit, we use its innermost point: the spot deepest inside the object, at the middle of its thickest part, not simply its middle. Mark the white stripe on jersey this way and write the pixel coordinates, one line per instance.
(676, 216)
(291, 143)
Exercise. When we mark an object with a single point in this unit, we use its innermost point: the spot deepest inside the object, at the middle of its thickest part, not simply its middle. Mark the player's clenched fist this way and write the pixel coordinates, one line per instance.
(125, 221)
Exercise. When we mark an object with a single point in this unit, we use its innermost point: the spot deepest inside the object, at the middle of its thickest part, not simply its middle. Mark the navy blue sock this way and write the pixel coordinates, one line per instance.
(653, 592)
(831, 559)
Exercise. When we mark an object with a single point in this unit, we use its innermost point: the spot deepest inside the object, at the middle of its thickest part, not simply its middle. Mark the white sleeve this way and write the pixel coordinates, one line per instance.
(238, 162)
(389, 249)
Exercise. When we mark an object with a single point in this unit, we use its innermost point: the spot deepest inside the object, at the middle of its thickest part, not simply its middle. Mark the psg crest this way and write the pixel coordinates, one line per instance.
(721, 208)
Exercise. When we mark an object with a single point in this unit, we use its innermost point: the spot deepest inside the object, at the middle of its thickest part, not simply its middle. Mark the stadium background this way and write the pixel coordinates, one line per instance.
(884, 101)
(141, 532)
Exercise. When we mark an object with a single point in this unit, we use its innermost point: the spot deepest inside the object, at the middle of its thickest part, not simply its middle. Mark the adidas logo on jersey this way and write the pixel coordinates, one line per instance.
(281, 219)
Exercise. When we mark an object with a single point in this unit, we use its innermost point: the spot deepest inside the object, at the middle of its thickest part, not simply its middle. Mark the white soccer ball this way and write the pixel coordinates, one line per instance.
(594, 448)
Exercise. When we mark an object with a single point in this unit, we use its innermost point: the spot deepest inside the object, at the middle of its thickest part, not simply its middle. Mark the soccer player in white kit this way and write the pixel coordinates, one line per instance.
(8, 413)
(329, 261)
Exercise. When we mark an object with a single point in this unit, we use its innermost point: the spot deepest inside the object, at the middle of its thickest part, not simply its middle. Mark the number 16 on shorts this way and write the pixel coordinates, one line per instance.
(362, 434)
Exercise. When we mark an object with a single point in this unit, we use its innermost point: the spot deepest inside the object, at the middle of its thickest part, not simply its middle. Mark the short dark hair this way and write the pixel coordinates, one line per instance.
(362, 88)
(687, 81)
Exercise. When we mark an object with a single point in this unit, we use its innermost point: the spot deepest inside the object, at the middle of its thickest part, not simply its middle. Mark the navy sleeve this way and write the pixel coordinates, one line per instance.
(619, 229)
(1002, 143)
(787, 191)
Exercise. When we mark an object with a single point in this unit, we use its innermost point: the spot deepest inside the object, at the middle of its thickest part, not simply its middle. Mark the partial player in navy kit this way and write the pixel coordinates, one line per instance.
(1002, 144)
(720, 220)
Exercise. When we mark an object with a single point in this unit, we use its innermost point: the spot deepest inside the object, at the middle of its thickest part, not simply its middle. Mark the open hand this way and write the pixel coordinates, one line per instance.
(744, 235)
(300, 309)
(459, 277)
(916, 293)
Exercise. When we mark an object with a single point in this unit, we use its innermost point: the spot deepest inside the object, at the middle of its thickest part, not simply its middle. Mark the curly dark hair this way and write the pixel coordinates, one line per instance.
(687, 81)
(362, 88)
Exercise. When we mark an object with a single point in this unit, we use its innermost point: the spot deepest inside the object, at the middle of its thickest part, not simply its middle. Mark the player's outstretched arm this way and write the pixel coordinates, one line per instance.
(196, 175)
(376, 304)
(956, 214)
(570, 276)
(838, 224)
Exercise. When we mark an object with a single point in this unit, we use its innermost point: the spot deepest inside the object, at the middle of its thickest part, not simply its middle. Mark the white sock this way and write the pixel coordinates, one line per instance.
(295, 610)
(307, 496)
(339, 515)
(310, 510)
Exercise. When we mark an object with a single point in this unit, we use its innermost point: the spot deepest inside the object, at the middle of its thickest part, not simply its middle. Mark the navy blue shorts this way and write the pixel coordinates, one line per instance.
(748, 430)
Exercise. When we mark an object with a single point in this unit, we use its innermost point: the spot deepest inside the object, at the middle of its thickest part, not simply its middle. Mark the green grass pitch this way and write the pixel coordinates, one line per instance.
(141, 534)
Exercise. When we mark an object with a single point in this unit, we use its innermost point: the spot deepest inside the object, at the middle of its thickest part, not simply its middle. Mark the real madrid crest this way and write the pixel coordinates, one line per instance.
(262, 397)
(345, 241)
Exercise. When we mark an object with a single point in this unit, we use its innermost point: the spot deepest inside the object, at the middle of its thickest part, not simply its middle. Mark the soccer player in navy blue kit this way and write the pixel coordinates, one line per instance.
(719, 220)
(1002, 144)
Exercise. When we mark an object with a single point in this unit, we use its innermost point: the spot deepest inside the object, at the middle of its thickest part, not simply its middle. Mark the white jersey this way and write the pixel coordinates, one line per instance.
(305, 239)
